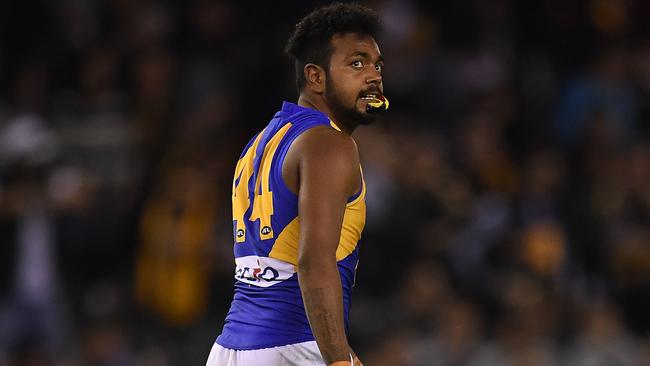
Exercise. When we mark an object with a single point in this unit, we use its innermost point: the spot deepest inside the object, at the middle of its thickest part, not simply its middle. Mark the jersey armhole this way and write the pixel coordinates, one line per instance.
(279, 162)
(282, 153)
(357, 195)
(294, 132)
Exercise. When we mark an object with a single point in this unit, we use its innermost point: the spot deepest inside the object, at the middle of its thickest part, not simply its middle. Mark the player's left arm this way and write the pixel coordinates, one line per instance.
(328, 174)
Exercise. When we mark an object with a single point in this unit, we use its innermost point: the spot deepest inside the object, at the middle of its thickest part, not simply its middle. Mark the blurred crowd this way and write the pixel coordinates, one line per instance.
(508, 186)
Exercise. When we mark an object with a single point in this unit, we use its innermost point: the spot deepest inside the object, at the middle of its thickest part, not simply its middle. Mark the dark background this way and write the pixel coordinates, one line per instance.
(508, 185)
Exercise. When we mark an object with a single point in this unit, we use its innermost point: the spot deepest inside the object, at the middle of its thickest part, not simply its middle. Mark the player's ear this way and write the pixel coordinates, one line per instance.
(315, 77)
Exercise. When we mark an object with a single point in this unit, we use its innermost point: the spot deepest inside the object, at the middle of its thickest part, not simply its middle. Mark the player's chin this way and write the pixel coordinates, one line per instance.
(365, 117)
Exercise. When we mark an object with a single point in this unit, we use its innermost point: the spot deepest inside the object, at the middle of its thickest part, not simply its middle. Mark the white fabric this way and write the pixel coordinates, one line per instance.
(299, 354)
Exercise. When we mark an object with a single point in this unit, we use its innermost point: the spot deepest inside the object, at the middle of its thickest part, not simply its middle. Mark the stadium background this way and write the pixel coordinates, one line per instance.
(508, 186)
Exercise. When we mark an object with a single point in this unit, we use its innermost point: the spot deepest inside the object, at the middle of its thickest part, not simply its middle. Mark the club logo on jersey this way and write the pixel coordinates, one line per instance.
(240, 233)
(262, 271)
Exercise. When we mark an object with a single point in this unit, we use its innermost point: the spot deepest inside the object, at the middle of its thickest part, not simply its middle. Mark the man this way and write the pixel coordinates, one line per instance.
(299, 202)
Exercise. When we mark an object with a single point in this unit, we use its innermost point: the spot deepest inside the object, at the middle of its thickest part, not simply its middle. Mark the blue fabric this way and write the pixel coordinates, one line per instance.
(263, 317)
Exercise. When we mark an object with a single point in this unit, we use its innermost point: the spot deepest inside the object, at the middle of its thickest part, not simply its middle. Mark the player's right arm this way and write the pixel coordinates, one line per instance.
(327, 173)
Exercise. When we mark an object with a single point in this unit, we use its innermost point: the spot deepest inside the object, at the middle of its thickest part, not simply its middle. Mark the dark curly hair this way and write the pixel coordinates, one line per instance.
(310, 41)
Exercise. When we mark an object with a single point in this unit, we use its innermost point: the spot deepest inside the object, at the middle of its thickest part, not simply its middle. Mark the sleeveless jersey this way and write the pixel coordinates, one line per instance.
(267, 309)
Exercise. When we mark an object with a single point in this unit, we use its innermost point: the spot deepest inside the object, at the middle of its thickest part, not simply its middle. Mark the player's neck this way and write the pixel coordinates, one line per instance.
(320, 105)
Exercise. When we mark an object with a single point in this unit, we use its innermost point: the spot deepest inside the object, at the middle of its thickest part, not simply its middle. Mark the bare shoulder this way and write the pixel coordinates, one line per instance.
(326, 143)
(320, 152)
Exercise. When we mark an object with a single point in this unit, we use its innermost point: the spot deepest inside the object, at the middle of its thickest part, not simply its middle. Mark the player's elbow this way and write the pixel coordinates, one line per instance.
(308, 263)
(314, 262)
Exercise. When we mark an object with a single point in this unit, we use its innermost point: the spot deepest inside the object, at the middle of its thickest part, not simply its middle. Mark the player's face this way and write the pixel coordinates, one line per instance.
(355, 74)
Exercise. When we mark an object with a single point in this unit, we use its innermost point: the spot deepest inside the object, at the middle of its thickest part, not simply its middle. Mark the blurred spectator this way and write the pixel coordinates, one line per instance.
(602, 340)
(600, 104)
(457, 340)
(174, 262)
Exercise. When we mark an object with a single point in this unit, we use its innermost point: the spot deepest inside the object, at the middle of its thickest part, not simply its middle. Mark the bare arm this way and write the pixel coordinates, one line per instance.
(328, 173)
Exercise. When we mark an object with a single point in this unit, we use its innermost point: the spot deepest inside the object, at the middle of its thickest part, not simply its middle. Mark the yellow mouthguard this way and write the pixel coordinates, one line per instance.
(378, 103)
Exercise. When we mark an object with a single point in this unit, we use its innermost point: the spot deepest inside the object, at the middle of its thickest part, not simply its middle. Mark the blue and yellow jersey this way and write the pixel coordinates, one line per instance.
(267, 309)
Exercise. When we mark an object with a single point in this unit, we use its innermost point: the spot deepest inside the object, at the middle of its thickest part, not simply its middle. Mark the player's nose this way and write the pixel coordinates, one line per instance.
(374, 77)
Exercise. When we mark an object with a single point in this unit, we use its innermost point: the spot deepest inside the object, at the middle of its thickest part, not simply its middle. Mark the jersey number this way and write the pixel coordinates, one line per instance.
(263, 197)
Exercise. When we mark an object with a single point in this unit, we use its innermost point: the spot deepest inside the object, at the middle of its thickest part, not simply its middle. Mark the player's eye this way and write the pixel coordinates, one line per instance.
(379, 67)
(357, 64)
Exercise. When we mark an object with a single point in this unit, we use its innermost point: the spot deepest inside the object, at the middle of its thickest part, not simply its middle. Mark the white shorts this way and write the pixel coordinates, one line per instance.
(299, 354)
